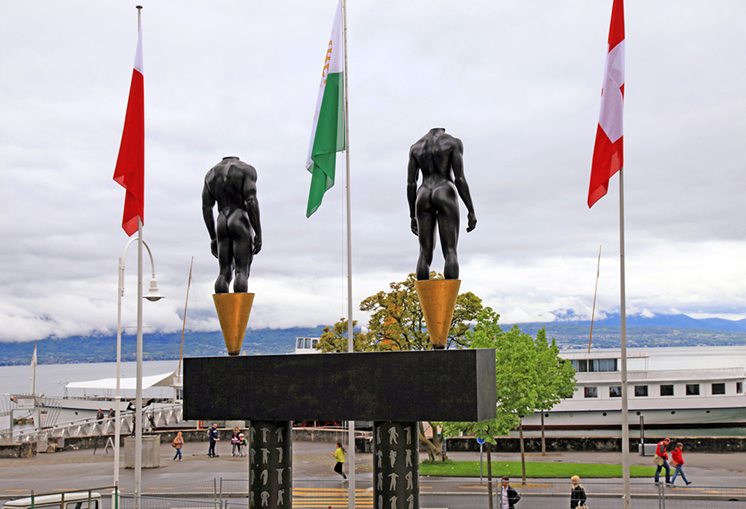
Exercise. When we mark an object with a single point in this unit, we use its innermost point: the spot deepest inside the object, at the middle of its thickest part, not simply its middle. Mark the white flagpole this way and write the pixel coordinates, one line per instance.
(623, 334)
(117, 393)
(350, 336)
(138, 383)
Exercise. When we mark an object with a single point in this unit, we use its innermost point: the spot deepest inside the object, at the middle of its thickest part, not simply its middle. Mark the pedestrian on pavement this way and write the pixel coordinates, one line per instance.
(242, 442)
(112, 413)
(508, 496)
(577, 495)
(677, 462)
(339, 456)
(235, 445)
(100, 415)
(213, 436)
(661, 460)
(177, 444)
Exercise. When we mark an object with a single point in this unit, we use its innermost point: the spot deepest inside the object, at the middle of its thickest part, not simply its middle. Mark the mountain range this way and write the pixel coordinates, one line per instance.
(570, 332)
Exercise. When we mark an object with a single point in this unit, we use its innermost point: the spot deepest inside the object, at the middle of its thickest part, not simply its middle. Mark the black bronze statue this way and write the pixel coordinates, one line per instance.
(238, 236)
(438, 156)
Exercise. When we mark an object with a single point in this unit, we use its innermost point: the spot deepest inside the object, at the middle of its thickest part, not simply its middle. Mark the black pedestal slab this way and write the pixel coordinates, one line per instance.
(270, 465)
(450, 385)
(395, 465)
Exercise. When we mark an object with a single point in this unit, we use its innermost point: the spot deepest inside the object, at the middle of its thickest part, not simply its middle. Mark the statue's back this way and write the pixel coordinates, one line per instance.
(433, 154)
(227, 182)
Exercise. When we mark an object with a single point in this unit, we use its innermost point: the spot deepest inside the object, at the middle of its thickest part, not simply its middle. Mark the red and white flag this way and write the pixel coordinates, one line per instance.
(130, 169)
(608, 152)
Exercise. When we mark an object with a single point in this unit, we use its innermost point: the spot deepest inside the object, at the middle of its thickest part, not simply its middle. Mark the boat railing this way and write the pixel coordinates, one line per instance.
(158, 416)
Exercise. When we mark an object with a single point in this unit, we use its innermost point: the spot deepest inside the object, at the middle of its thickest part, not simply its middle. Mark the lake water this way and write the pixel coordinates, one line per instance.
(52, 378)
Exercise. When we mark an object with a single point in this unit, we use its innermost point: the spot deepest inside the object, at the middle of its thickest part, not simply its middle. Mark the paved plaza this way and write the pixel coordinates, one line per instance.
(312, 464)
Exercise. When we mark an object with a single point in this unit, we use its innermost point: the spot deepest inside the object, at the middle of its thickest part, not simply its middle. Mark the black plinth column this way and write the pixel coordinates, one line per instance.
(270, 465)
(395, 462)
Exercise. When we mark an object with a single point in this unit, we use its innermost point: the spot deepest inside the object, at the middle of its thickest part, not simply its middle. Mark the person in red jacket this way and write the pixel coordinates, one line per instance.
(677, 462)
(661, 460)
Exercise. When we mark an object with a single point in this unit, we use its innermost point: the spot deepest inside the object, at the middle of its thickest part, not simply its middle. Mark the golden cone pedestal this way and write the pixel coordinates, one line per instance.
(233, 312)
(438, 300)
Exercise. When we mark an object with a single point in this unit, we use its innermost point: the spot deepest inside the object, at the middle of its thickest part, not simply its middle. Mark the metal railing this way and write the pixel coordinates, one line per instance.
(67, 501)
(93, 427)
(231, 493)
(644, 495)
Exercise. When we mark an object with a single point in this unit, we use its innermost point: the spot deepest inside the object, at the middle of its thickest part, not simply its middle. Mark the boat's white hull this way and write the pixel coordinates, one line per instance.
(655, 418)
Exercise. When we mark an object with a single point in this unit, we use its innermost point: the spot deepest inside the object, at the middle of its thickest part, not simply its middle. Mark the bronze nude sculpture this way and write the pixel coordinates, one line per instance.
(439, 157)
(236, 236)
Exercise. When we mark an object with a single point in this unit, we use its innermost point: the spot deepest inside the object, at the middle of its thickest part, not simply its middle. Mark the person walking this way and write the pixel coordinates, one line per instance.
(242, 442)
(577, 495)
(339, 456)
(213, 436)
(177, 444)
(508, 496)
(661, 461)
(677, 462)
(235, 445)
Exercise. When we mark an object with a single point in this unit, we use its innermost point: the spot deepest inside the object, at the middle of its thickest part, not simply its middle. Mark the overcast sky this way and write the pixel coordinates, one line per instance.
(518, 82)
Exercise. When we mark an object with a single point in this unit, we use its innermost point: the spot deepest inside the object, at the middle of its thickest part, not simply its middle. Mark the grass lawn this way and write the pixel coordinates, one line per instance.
(534, 469)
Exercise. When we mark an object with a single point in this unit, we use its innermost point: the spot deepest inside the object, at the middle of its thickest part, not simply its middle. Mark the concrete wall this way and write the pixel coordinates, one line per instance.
(505, 444)
(26, 450)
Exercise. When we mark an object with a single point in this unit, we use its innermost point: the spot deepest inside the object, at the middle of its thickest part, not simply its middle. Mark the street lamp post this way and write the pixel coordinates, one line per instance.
(153, 295)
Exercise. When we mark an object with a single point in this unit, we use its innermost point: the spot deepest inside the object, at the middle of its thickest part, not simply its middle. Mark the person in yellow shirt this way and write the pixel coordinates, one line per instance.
(339, 456)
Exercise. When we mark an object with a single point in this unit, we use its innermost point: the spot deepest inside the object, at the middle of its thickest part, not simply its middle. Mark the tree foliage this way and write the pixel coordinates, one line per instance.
(334, 338)
(397, 323)
(529, 375)
(556, 376)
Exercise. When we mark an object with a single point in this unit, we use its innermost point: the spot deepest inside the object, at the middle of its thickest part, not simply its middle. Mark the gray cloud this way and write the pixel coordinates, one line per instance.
(518, 83)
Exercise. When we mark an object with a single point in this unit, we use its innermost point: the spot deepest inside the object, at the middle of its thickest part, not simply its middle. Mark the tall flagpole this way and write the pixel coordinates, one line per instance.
(138, 384)
(623, 334)
(350, 332)
(117, 393)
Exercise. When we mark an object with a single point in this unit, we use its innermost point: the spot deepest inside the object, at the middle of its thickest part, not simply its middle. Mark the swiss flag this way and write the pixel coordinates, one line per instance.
(130, 168)
(608, 152)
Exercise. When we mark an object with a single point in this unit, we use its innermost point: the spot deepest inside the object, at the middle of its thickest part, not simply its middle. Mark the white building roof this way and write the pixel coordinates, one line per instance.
(162, 380)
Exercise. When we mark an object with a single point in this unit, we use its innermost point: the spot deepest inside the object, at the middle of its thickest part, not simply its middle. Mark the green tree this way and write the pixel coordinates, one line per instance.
(334, 338)
(556, 378)
(397, 323)
(523, 367)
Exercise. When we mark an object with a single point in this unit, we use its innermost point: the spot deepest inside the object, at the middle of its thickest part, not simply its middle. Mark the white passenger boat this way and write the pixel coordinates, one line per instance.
(678, 387)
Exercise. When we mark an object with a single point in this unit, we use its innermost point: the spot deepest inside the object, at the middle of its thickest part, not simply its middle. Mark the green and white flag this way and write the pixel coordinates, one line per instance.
(328, 132)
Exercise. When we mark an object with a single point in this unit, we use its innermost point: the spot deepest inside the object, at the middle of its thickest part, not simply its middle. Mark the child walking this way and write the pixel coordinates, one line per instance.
(339, 455)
